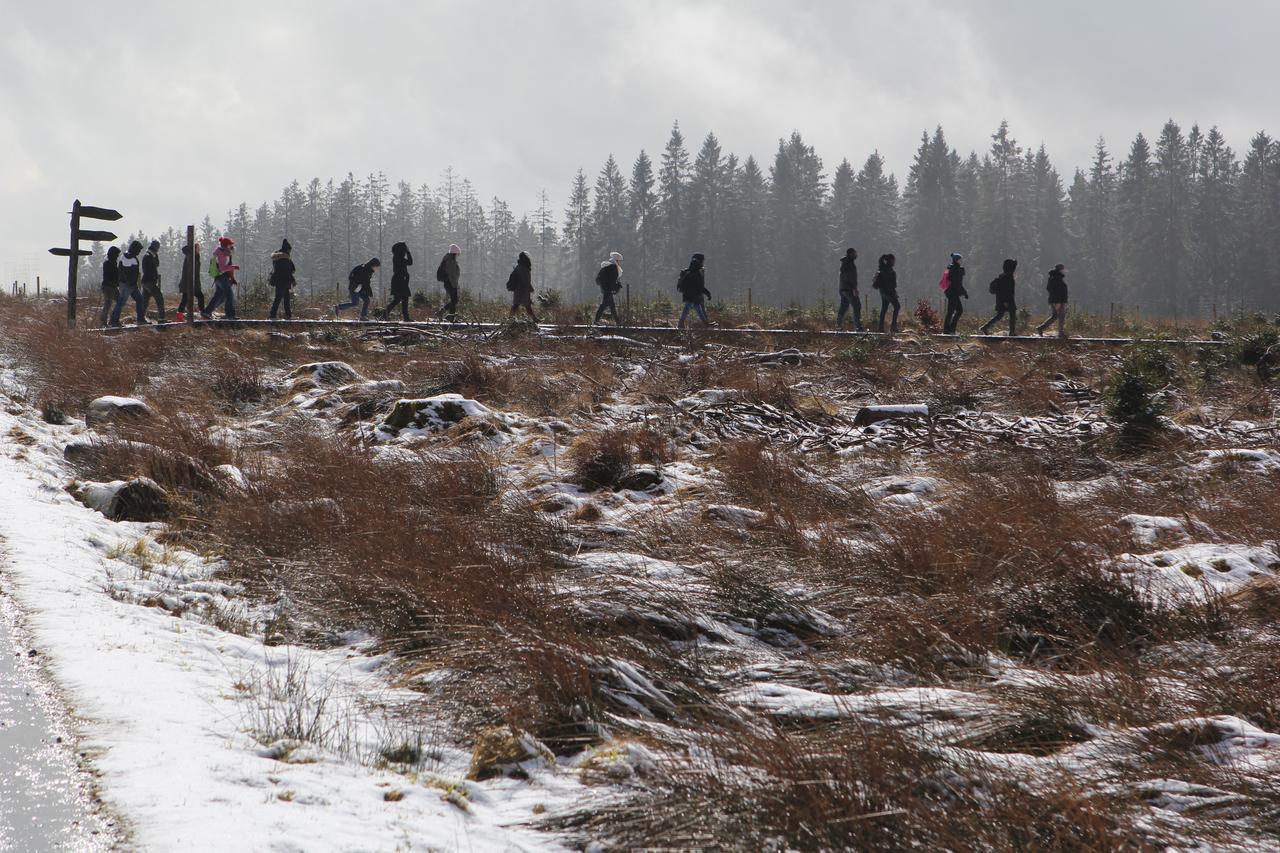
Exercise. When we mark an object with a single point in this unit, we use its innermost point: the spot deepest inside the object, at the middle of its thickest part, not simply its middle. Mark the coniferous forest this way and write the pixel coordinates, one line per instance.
(1179, 225)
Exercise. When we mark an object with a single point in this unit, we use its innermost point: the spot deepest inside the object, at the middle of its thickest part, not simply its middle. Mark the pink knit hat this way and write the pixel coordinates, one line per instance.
(454, 249)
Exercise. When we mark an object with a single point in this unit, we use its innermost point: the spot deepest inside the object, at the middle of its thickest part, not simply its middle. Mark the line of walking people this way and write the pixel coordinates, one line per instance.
(1002, 287)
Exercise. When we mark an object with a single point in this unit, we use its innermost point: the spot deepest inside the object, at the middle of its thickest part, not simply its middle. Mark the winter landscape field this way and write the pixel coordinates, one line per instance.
(377, 588)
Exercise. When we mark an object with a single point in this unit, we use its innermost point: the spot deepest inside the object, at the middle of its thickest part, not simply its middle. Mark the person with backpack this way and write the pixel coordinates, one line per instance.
(955, 292)
(1057, 287)
(448, 274)
(401, 260)
(130, 267)
(190, 279)
(223, 269)
(609, 280)
(692, 285)
(849, 297)
(110, 284)
(1002, 288)
(282, 270)
(520, 283)
(886, 281)
(359, 288)
(151, 283)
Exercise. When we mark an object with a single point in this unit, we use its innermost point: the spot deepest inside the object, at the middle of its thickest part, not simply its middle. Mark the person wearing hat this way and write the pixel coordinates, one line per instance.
(110, 284)
(129, 270)
(692, 285)
(849, 291)
(448, 274)
(360, 288)
(225, 281)
(282, 270)
(151, 283)
(520, 283)
(609, 280)
(190, 280)
(1057, 287)
(401, 260)
(955, 292)
(886, 281)
(1002, 287)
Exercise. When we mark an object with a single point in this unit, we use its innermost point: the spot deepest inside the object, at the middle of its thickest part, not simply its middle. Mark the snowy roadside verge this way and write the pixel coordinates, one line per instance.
(165, 704)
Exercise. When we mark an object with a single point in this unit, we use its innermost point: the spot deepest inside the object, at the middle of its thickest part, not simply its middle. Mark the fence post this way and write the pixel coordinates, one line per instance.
(37, 287)
(189, 288)
(749, 311)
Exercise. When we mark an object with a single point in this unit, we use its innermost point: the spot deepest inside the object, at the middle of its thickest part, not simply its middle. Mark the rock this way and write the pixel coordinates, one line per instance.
(874, 414)
(114, 410)
(323, 374)
(436, 414)
(640, 479)
(167, 465)
(500, 749)
(140, 500)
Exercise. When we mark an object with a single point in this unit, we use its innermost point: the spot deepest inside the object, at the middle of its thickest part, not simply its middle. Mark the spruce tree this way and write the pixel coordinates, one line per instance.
(643, 218)
(673, 181)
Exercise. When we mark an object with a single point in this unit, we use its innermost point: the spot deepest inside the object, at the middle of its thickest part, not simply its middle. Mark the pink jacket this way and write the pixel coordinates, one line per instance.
(223, 257)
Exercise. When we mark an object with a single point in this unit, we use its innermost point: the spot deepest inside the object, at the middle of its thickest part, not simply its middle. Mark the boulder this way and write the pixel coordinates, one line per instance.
(323, 374)
(640, 479)
(112, 410)
(140, 499)
(436, 414)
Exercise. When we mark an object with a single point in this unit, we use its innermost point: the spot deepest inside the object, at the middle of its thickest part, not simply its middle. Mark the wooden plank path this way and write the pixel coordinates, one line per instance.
(714, 333)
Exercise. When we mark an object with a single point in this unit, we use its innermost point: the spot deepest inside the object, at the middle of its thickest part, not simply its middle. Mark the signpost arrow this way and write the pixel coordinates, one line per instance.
(66, 253)
(100, 236)
(87, 212)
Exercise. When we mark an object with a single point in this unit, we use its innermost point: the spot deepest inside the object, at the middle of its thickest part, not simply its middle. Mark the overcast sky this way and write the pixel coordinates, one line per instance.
(170, 110)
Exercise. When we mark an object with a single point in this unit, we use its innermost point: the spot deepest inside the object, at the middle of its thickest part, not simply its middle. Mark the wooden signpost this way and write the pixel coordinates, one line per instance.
(74, 253)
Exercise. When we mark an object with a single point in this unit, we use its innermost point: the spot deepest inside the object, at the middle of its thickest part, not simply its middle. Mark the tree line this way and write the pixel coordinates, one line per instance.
(1176, 226)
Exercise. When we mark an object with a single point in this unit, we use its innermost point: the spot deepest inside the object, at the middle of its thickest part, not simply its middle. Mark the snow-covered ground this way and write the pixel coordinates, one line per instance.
(187, 725)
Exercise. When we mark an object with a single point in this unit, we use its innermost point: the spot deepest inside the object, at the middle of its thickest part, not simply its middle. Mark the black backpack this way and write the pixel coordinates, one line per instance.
(600, 280)
(994, 286)
(440, 273)
(511, 282)
(352, 287)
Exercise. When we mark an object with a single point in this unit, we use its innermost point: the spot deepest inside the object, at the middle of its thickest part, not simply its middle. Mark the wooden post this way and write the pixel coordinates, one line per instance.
(37, 287)
(1214, 311)
(73, 264)
(749, 320)
(189, 289)
(628, 310)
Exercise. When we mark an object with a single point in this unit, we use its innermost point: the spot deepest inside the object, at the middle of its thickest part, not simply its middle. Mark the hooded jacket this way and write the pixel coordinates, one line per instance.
(452, 272)
(151, 265)
(129, 265)
(955, 281)
(1057, 287)
(848, 274)
(282, 269)
(358, 281)
(1003, 285)
(187, 268)
(111, 269)
(521, 280)
(607, 277)
(886, 278)
(692, 283)
(401, 260)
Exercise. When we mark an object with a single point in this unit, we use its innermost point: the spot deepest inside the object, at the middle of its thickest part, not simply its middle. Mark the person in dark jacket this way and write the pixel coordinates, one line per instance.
(130, 270)
(955, 292)
(609, 280)
(520, 283)
(1057, 287)
(849, 298)
(110, 284)
(151, 283)
(1002, 287)
(401, 260)
(282, 279)
(692, 285)
(448, 274)
(359, 288)
(886, 281)
(190, 279)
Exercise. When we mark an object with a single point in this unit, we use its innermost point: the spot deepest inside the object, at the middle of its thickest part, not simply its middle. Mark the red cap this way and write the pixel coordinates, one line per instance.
(226, 241)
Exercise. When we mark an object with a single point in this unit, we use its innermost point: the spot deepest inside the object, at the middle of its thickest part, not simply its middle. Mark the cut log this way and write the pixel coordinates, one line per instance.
(874, 414)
